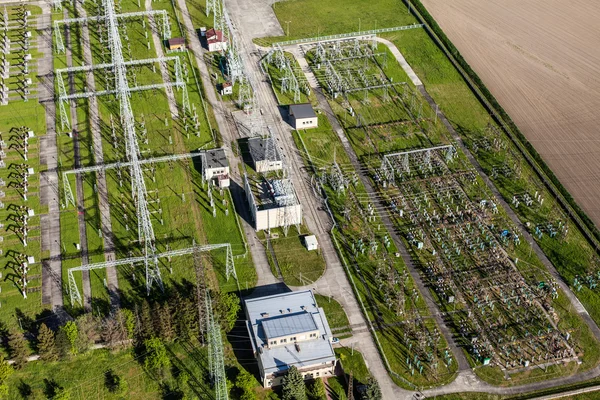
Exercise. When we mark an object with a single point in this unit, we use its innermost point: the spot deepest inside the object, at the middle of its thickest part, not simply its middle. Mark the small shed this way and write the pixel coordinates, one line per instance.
(302, 116)
(310, 242)
(226, 88)
(177, 43)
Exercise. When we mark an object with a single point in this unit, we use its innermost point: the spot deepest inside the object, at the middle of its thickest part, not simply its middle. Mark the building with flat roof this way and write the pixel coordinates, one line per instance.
(289, 329)
(215, 167)
(273, 203)
(302, 116)
(310, 241)
(258, 152)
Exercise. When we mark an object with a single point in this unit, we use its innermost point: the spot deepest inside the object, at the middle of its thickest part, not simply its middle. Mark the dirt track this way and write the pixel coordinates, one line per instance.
(541, 60)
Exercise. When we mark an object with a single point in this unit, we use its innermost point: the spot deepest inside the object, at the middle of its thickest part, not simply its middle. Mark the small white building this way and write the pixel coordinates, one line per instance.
(216, 40)
(302, 116)
(226, 88)
(261, 149)
(286, 330)
(273, 203)
(310, 241)
(215, 168)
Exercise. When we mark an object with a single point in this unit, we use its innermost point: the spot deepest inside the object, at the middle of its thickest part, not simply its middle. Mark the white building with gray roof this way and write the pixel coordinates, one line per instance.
(265, 155)
(289, 329)
(302, 116)
(215, 167)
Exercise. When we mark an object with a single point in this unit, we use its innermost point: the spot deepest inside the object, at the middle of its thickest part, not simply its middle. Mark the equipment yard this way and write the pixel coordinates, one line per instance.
(295, 199)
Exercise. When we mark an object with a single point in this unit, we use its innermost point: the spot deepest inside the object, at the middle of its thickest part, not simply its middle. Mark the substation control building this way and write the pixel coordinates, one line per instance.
(286, 330)
(216, 40)
(302, 116)
(273, 203)
(265, 155)
(215, 168)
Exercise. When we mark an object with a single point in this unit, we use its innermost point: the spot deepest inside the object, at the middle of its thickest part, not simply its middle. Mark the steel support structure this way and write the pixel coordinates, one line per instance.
(216, 360)
(63, 97)
(122, 164)
(60, 47)
(390, 161)
(75, 295)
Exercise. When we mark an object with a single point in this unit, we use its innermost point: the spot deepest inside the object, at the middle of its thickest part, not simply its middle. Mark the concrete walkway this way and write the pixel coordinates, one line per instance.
(49, 191)
(229, 134)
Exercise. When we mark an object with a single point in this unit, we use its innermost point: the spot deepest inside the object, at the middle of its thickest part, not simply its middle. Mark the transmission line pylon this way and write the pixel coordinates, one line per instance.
(215, 353)
(138, 186)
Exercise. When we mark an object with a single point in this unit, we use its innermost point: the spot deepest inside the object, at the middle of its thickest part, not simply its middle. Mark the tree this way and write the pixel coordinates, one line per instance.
(293, 385)
(114, 382)
(146, 328)
(128, 320)
(317, 390)
(373, 391)
(186, 316)
(47, 344)
(164, 322)
(156, 355)
(245, 380)
(249, 395)
(71, 333)
(6, 370)
(18, 348)
(87, 332)
(228, 309)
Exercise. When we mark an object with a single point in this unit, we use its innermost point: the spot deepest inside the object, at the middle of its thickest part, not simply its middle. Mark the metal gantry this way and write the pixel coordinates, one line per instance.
(399, 163)
(75, 295)
(64, 97)
(60, 46)
(216, 358)
(103, 167)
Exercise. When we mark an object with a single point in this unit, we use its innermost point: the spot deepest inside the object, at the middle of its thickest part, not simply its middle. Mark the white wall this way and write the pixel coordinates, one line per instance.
(305, 123)
(265, 166)
(274, 217)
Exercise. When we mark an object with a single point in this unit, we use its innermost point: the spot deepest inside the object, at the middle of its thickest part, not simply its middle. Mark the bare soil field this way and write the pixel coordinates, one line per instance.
(541, 60)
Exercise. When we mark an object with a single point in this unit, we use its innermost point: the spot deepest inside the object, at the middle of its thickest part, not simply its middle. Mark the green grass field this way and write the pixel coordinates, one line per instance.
(336, 316)
(312, 18)
(299, 267)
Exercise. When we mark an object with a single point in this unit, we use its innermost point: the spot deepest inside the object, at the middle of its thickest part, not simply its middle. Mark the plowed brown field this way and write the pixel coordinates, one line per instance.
(541, 60)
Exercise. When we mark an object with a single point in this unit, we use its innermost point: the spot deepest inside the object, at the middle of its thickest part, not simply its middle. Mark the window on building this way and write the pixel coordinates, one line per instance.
(283, 341)
(318, 373)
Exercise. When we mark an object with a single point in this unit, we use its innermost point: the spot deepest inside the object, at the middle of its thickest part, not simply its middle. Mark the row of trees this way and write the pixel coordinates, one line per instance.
(294, 388)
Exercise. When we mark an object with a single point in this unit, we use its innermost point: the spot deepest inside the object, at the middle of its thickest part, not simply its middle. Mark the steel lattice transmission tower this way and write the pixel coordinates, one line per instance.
(138, 186)
(215, 352)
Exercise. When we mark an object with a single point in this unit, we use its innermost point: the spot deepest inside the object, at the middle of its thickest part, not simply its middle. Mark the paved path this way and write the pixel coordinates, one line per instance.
(335, 281)
(49, 191)
(79, 199)
(229, 133)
